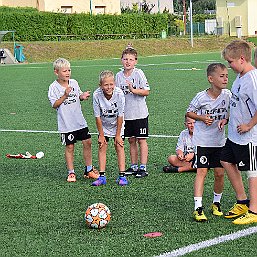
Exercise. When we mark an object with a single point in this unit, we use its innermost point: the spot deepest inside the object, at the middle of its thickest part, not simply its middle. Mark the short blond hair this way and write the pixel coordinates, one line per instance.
(61, 63)
(105, 74)
(236, 49)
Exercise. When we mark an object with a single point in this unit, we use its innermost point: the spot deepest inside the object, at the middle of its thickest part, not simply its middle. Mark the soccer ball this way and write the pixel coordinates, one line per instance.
(97, 215)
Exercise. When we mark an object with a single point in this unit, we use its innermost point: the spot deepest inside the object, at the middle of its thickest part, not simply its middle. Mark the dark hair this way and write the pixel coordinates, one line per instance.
(213, 67)
(129, 50)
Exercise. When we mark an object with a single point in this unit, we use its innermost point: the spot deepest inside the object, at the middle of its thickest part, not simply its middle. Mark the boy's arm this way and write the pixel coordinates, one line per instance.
(58, 102)
(118, 139)
(101, 137)
(204, 118)
(138, 91)
(84, 96)
(243, 128)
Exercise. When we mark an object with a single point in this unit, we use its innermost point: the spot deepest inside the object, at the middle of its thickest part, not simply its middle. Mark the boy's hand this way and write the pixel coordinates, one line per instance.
(180, 155)
(101, 141)
(118, 140)
(130, 85)
(222, 123)
(243, 128)
(207, 120)
(67, 91)
(189, 157)
(85, 95)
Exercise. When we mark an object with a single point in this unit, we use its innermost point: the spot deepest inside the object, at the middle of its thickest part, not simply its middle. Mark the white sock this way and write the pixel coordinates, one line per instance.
(71, 171)
(216, 197)
(198, 202)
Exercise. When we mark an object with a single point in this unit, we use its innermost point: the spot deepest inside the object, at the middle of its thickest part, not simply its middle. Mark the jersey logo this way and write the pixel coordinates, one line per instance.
(70, 137)
(241, 164)
(203, 160)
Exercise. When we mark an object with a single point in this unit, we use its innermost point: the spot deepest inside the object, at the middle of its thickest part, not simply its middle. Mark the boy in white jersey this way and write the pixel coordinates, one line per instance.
(135, 87)
(210, 110)
(185, 150)
(239, 153)
(108, 103)
(65, 95)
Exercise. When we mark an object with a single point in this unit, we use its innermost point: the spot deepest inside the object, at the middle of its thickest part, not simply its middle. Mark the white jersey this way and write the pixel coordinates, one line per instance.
(243, 106)
(217, 109)
(109, 110)
(185, 143)
(69, 114)
(135, 105)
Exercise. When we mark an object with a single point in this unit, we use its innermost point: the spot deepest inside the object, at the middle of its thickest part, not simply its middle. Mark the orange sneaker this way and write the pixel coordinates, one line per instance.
(94, 174)
(71, 177)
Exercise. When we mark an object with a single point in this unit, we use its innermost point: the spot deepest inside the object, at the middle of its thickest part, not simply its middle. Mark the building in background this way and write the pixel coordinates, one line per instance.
(236, 17)
(158, 5)
(68, 6)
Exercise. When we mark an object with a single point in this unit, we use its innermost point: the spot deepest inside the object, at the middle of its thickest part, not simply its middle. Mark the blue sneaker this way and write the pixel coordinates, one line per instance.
(100, 181)
(122, 181)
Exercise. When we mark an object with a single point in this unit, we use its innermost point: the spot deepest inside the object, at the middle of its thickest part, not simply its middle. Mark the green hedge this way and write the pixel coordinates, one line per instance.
(32, 26)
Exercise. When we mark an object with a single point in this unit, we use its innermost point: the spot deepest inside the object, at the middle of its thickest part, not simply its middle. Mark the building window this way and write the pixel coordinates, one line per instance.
(100, 9)
(66, 9)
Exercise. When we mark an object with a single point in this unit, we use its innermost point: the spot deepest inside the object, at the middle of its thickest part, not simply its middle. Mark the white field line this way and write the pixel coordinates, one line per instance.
(204, 244)
(56, 132)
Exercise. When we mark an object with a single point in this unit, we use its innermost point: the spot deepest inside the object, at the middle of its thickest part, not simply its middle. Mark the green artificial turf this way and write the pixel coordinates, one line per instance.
(43, 215)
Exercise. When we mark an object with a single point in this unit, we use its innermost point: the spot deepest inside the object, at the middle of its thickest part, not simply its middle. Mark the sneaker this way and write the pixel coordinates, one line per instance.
(170, 169)
(94, 174)
(100, 181)
(71, 177)
(215, 207)
(247, 218)
(130, 171)
(199, 214)
(236, 211)
(122, 181)
(141, 174)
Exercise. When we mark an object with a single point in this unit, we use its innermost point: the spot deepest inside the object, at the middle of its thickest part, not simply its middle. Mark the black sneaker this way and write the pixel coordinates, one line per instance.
(170, 169)
(129, 172)
(141, 174)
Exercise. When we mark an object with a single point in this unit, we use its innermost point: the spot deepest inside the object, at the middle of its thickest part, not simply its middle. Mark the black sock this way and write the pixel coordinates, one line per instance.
(247, 201)
(102, 173)
(122, 173)
(252, 212)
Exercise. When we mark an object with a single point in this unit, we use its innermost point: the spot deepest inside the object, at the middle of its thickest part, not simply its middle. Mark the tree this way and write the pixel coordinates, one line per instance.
(199, 6)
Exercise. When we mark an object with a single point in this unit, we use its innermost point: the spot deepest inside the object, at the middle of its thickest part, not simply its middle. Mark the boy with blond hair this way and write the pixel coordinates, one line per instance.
(135, 87)
(210, 110)
(108, 103)
(65, 95)
(239, 153)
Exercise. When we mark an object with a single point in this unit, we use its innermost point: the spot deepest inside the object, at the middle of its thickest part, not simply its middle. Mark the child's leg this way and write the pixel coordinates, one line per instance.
(235, 179)
(102, 157)
(87, 151)
(121, 157)
(133, 150)
(218, 180)
(253, 193)
(69, 157)
(181, 165)
(199, 186)
(143, 150)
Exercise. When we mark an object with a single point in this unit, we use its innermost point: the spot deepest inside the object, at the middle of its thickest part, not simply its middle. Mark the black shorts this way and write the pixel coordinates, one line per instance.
(74, 136)
(242, 155)
(136, 128)
(208, 157)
